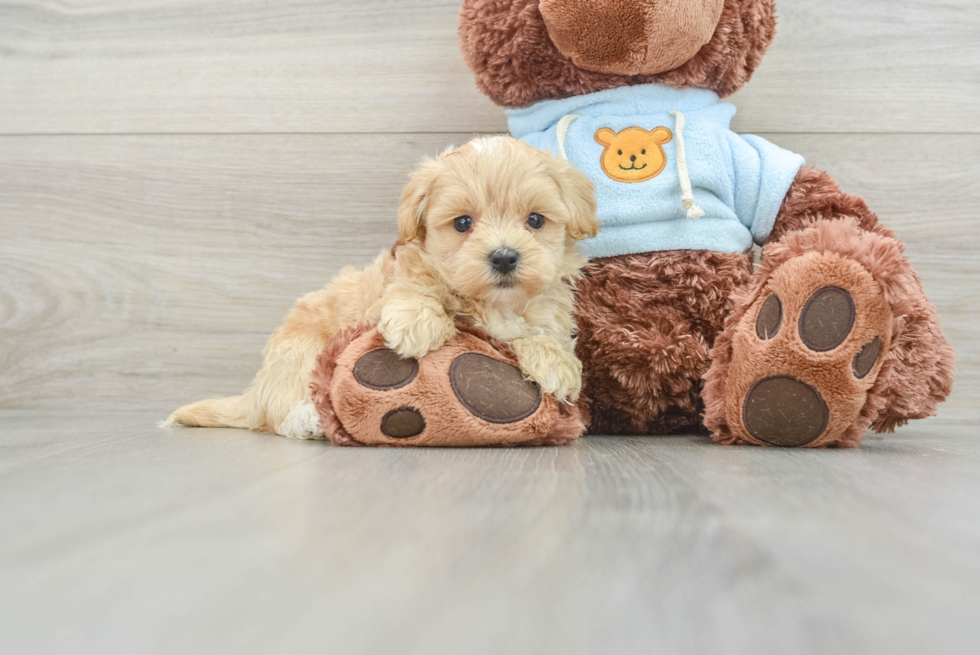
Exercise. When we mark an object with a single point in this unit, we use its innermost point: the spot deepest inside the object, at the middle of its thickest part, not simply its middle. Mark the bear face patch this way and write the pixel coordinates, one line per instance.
(634, 154)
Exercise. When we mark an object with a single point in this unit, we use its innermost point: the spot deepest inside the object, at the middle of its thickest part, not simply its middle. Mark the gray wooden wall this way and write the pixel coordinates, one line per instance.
(173, 173)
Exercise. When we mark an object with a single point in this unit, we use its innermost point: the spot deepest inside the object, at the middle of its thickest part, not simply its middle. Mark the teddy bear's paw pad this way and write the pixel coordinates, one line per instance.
(784, 411)
(806, 353)
(403, 423)
(827, 319)
(492, 390)
(385, 370)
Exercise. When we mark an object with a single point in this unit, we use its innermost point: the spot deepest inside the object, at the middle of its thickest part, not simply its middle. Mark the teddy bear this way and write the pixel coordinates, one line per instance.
(830, 334)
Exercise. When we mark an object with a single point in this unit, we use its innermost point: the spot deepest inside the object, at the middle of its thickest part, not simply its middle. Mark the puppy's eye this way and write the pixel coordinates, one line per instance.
(535, 221)
(643, 152)
(463, 223)
(620, 152)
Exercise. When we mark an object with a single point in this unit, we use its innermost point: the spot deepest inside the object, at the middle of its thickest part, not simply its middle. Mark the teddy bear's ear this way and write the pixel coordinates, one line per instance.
(662, 135)
(604, 136)
(412, 206)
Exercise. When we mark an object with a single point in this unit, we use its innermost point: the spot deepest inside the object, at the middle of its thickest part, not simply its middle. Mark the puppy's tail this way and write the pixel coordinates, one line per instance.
(212, 413)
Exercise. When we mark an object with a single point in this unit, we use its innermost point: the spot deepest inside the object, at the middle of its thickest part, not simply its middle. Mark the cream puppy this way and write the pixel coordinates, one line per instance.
(488, 234)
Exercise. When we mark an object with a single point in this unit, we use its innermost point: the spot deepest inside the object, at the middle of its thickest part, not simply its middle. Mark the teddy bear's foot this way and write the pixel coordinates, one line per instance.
(805, 354)
(469, 392)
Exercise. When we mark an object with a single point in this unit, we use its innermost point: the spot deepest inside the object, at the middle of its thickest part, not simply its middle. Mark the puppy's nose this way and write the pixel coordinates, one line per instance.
(504, 260)
(632, 157)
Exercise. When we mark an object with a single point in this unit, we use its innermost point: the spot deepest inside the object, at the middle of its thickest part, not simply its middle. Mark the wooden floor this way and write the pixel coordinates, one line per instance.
(120, 537)
(174, 173)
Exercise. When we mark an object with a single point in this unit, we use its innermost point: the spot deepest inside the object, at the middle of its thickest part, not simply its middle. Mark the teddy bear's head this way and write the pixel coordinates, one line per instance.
(523, 51)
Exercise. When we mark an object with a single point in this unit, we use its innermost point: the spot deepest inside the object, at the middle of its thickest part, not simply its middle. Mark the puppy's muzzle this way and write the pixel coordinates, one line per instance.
(504, 260)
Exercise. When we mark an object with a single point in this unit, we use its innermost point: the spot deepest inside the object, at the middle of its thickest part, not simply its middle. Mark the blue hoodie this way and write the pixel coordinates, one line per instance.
(669, 172)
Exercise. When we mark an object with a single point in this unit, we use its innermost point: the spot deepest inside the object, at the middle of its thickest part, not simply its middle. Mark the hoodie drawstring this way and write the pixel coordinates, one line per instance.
(687, 198)
(563, 125)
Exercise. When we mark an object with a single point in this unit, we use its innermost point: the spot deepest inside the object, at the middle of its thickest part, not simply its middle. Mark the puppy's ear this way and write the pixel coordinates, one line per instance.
(414, 200)
(578, 194)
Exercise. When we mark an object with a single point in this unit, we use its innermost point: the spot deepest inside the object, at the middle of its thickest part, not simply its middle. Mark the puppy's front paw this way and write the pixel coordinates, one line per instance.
(414, 326)
(553, 366)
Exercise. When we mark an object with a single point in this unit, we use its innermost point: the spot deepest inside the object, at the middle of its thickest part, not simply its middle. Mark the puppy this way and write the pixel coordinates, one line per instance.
(487, 233)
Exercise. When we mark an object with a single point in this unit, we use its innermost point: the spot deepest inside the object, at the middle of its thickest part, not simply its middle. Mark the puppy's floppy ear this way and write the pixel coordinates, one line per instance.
(578, 194)
(415, 196)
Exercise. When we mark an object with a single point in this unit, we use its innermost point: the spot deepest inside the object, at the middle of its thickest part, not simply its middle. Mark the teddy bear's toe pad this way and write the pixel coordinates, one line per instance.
(827, 319)
(770, 318)
(493, 390)
(384, 370)
(865, 360)
(403, 423)
(805, 354)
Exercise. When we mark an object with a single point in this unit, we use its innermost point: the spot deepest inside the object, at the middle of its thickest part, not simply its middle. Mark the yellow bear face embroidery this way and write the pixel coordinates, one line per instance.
(635, 154)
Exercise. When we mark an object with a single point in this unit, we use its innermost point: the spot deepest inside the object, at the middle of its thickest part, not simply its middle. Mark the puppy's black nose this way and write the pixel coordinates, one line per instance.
(504, 260)
(632, 157)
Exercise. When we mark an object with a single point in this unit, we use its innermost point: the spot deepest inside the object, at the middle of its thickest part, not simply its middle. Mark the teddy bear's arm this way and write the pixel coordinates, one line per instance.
(815, 195)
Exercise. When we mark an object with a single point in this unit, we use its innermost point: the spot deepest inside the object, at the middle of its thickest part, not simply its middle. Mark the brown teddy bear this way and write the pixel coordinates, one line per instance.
(831, 335)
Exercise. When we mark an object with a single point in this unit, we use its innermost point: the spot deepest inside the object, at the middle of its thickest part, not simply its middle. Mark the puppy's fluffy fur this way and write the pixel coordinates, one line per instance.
(438, 274)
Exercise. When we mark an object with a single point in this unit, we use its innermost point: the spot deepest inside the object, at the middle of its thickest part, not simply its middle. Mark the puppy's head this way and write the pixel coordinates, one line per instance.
(498, 215)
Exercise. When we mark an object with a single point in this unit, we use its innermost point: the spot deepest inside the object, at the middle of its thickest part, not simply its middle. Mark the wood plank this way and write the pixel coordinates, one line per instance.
(120, 537)
(871, 66)
(236, 66)
(146, 271)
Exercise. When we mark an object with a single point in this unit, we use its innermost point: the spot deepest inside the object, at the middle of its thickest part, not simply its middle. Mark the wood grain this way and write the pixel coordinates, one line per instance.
(146, 271)
(238, 66)
(119, 537)
(176, 172)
